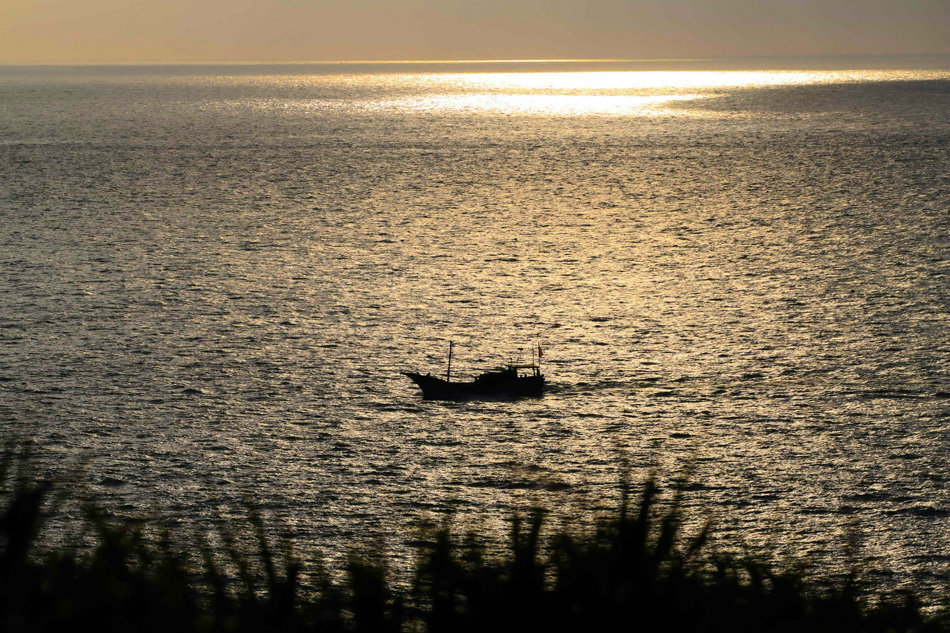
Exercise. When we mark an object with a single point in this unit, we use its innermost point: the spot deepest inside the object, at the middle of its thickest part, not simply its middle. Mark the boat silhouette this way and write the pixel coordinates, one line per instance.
(512, 380)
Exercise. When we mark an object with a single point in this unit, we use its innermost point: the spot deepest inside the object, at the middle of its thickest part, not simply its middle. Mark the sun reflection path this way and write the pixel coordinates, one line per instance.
(601, 93)
(624, 81)
(574, 93)
(552, 104)
(593, 93)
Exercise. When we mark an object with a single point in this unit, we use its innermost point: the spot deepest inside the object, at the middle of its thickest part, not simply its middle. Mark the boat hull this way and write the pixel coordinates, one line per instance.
(437, 389)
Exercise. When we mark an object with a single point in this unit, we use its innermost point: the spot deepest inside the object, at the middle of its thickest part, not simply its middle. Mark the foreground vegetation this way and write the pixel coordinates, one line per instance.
(633, 571)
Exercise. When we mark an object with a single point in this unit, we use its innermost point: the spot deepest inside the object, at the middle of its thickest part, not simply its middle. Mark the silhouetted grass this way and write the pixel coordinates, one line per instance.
(635, 570)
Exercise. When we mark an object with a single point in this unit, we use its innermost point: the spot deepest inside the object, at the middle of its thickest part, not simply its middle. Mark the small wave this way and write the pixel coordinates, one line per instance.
(897, 394)
(868, 496)
(440, 442)
(521, 484)
(908, 456)
(584, 415)
(919, 510)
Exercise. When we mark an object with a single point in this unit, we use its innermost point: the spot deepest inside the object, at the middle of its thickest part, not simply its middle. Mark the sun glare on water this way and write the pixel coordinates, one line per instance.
(592, 93)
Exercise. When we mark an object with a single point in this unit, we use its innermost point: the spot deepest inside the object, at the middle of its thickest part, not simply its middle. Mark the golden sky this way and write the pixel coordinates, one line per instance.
(311, 30)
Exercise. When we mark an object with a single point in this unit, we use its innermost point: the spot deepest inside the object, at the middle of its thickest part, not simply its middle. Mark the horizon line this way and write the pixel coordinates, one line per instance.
(552, 60)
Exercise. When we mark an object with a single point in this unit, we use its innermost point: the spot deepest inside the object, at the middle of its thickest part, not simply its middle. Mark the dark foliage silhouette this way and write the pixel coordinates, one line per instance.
(635, 570)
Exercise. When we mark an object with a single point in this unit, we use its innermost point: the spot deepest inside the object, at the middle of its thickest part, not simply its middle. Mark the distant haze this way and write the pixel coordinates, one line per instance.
(301, 30)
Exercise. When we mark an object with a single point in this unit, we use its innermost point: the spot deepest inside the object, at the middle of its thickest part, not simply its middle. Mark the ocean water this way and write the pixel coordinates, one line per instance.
(211, 278)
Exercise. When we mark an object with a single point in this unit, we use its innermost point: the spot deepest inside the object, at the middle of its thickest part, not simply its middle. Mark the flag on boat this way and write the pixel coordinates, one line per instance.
(540, 353)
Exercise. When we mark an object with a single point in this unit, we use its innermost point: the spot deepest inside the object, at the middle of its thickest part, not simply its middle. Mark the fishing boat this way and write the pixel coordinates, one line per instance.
(513, 380)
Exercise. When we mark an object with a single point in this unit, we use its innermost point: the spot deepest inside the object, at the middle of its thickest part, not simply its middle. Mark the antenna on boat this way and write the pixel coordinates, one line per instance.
(448, 371)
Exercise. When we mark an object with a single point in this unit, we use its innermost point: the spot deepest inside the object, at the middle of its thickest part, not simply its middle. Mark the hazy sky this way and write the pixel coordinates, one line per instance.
(302, 30)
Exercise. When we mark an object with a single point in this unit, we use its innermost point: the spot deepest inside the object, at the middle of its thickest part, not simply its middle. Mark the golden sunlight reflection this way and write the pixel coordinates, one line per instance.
(594, 93)
(547, 93)
(567, 104)
(613, 82)
(579, 93)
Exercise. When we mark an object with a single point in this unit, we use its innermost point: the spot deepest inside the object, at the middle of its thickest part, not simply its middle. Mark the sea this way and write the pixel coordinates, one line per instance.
(737, 271)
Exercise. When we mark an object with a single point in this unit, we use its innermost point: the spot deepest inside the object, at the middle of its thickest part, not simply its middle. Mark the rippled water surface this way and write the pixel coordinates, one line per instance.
(213, 276)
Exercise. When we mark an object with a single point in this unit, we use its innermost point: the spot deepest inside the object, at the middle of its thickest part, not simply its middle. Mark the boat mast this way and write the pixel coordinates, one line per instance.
(448, 371)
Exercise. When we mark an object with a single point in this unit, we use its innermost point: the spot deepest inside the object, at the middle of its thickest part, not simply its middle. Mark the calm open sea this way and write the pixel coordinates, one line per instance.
(212, 276)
